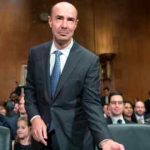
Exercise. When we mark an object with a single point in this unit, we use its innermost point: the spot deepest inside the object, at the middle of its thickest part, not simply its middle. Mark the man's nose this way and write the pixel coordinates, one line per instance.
(64, 23)
(117, 104)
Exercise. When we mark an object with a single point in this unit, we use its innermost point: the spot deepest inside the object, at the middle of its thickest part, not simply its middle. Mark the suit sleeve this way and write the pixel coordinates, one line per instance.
(30, 92)
(92, 105)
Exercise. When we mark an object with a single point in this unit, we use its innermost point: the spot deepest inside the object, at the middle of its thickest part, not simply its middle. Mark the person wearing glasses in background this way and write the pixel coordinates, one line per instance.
(116, 107)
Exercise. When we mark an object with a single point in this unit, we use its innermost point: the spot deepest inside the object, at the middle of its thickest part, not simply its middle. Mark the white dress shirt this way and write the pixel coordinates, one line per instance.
(116, 118)
(63, 57)
(140, 119)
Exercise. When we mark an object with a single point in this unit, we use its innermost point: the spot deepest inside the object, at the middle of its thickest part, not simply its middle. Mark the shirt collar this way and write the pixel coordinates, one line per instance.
(139, 117)
(116, 118)
(64, 51)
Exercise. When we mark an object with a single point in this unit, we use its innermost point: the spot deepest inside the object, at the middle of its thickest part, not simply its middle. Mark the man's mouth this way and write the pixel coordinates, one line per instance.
(63, 33)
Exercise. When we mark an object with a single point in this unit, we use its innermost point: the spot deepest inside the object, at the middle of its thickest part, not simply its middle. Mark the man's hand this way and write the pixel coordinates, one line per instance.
(111, 145)
(39, 130)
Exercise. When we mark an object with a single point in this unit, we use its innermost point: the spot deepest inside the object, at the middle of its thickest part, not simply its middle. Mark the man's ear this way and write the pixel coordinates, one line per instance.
(77, 23)
(50, 21)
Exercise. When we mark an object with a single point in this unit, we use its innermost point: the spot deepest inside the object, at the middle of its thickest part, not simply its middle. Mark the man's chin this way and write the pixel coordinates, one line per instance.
(63, 40)
(117, 114)
(64, 37)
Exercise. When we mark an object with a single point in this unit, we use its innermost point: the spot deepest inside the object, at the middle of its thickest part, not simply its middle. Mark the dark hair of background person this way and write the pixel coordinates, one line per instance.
(113, 93)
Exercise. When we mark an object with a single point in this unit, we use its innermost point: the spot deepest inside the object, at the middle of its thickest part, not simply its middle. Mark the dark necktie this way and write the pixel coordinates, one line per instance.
(55, 73)
(119, 121)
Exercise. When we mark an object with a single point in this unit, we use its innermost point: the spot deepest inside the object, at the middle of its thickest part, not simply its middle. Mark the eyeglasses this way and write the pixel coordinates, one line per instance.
(116, 102)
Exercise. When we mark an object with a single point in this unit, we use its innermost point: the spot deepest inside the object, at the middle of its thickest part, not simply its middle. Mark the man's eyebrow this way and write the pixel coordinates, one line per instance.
(71, 18)
(59, 16)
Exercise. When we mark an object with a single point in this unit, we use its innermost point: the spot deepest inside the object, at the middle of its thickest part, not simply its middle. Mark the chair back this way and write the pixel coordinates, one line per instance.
(132, 136)
(4, 138)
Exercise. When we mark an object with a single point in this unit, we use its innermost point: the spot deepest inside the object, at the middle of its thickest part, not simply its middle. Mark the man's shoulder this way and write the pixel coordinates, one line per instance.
(40, 50)
(42, 46)
(147, 100)
(83, 50)
(109, 120)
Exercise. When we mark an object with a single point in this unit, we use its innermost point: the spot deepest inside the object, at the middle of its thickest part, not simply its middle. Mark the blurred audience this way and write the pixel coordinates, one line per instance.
(11, 118)
(14, 97)
(116, 111)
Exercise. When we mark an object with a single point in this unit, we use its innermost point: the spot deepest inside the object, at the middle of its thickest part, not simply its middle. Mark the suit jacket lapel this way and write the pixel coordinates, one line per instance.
(71, 63)
(46, 65)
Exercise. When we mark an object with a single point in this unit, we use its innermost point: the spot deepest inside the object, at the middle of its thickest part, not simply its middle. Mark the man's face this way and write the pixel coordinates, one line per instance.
(116, 105)
(63, 22)
(139, 108)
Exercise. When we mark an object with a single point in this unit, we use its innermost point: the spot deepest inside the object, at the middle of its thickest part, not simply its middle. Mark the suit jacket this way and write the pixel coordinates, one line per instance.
(135, 119)
(75, 107)
(147, 106)
(11, 120)
(3, 121)
(103, 100)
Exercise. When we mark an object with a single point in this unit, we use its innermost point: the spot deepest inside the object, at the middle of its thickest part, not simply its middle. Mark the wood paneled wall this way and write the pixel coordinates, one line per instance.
(14, 35)
(127, 26)
(121, 26)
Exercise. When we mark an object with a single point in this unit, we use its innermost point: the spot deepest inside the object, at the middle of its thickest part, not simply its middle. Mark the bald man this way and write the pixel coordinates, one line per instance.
(62, 90)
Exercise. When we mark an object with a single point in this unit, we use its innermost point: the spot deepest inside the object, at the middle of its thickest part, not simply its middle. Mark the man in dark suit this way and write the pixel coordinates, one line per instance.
(104, 98)
(60, 120)
(116, 107)
(139, 113)
(147, 104)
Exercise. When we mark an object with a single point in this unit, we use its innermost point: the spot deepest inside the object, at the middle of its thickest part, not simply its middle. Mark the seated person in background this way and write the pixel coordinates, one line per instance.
(15, 98)
(147, 104)
(16, 107)
(2, 117)
(106, 111)
(116, 107)
(23, 138)
(11, 118)
(3, 110)
(104, 98)
(128, 111)
(3, 121)
(139, 112)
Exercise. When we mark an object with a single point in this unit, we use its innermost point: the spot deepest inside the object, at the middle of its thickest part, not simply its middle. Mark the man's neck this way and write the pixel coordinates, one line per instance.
(117, 116)
(61, 44)
(139, 115)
